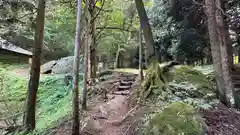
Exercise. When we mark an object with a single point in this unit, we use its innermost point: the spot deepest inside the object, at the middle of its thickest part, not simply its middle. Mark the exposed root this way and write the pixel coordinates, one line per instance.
(119, 122)
(125, 133)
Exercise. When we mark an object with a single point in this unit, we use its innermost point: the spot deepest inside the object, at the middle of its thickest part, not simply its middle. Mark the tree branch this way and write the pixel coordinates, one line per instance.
(114, 28)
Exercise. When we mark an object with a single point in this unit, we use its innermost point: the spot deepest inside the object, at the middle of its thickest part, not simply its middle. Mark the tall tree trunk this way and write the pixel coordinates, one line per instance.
(85, 79)
(226, 35)
(117, 61)
(87, 40)
(238, 52)
(223, 41)
(29, 117)
(140, 55)
(75, 100)
(93, 59)
(238, 46)
(215, 48)
(145, 26)
(225, 28)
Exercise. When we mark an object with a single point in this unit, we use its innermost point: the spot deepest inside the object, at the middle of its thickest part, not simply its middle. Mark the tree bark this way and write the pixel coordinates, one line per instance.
(238, 52)
(29, 120)
(145, 26)
(87, 63)
(93, 61)
(117, 61)
(140, 55)
(223, 41)
(75, 100)
(226, 35)
(85, 79)
(215, 48)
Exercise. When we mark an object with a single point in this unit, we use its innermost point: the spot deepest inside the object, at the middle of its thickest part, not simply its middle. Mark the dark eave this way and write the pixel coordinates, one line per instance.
(5, 45)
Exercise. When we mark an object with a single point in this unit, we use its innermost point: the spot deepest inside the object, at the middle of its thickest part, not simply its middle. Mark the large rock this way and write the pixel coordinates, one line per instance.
(178, 118)
(47, 67)
(65, 65)
(91, 125)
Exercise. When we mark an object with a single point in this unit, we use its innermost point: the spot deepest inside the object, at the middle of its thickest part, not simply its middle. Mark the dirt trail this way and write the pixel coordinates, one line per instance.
(104, 117)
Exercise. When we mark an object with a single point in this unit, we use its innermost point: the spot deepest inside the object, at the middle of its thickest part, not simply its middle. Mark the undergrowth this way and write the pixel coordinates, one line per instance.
(192, 86)
(53, 102)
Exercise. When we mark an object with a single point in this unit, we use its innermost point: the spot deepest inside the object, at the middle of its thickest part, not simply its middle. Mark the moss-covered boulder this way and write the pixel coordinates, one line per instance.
(194, 80)
(176, 119)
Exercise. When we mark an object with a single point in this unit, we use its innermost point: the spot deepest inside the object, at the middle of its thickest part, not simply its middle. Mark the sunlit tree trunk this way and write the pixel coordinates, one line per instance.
(86, 59)
(117, 61)
(29, 116)
(215, 48)
(75, 103)
(86, 75)
(224, 40)
(140, 56)
(145, 26)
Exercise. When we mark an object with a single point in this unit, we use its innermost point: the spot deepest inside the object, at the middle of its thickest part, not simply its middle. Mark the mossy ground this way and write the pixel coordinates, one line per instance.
(176, 119)
(192, 88)
(53, 102)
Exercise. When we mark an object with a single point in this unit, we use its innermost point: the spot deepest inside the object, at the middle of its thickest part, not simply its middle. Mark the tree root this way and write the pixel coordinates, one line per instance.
(119, 122)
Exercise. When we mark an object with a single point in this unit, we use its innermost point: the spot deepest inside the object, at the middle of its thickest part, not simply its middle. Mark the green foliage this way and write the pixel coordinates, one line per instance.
(11, 92)
(120, 28)
(53, 102)
(60, 28)
(189, 85)
(195, 77)
(192, 87)
(176, 119)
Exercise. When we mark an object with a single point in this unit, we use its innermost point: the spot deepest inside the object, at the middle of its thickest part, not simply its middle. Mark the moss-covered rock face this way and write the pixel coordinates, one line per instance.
(177, 119)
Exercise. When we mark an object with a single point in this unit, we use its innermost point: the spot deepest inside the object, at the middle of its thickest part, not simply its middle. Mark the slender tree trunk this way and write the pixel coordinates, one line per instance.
(223, 41)
(225, 36)
(29, 117)
(140, 55)
(215, 48)
(145, 26)
(238, 51)
(238, 48)
(75, 100)
(117, 61)
(93, 43)
(88, 39)
(85, 79)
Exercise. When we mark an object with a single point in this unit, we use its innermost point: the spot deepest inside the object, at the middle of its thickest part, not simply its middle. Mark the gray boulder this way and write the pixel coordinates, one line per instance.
(65, 65)
(47, 67)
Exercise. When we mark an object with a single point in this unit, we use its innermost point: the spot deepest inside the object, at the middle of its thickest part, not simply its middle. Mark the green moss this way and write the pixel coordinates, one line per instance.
(177, 119)
(194, 77)
(155, 81)
(53, 102)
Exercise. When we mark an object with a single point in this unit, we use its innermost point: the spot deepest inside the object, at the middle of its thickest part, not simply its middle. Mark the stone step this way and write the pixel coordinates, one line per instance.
(236, 85)
(237, 89)
(126, 92)
(129, 79)
(236, 77)
(122, 88)
(124, 83)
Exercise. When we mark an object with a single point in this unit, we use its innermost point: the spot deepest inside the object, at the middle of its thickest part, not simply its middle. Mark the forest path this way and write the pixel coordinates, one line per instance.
(20, 71)
(104, 117)
(117, 108)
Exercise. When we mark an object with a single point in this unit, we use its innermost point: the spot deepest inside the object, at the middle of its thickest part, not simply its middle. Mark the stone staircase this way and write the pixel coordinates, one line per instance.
(125, 84)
